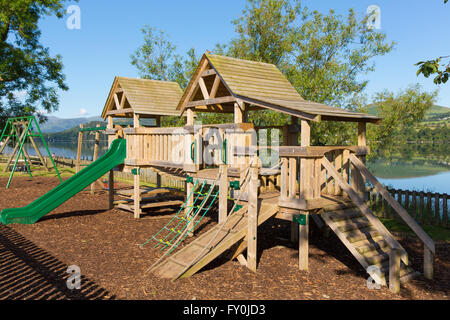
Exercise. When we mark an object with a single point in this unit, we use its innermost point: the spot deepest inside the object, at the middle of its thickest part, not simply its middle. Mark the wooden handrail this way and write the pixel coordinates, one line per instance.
(364, 209)
(302, 152)
(425, 238)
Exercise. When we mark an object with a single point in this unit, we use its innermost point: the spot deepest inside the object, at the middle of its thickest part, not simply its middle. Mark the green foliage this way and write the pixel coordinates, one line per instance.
(29, 75)
(157, 59)
(400, 112)
(431, 67)
(323, 56)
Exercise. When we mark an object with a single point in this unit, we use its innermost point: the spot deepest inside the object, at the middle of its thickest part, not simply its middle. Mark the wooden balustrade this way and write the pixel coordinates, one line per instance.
(157, 146)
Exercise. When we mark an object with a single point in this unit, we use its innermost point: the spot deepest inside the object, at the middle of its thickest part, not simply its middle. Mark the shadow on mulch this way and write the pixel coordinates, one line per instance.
(29, 272)
(63, 215)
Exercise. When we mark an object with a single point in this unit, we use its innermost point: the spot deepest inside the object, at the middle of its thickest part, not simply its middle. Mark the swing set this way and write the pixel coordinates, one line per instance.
(19, 130)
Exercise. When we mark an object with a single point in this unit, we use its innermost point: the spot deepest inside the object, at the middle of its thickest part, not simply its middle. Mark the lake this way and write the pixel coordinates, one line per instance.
(422, 167)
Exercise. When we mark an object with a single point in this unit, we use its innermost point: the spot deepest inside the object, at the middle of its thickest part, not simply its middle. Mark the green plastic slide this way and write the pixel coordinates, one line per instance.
(66, 190)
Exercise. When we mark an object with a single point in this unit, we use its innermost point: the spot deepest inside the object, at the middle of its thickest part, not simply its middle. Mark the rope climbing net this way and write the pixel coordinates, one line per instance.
(181, 225)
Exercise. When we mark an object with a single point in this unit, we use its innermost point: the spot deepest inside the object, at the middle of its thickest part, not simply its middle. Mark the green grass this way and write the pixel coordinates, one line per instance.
(37, 171)
(435, 232)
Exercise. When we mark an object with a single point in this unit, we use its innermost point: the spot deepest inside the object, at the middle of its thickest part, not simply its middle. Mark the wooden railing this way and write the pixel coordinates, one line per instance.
(429, 246)
(303, 177)
(165, 147)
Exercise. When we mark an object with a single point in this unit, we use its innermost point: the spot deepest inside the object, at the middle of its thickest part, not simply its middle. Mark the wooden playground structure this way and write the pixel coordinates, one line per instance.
(249, 173)
(324, 184)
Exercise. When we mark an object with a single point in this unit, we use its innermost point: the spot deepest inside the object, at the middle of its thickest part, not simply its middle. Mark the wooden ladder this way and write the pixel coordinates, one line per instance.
(366, 242)
(211, 244)
(362, 232)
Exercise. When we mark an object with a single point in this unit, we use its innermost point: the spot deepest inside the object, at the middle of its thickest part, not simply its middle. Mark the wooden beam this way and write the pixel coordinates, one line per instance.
(238, 113)
(95, 157)
(116, 102)
(136, 121)
(203, 88)
(206, 102)
(192, 88)
(362, 140)
(209, 72)
(394, 270)
(215, 87)
(111, 189)
(303, 245)
(292, 112)
(190, 117)
(122, 101)
(252, 219)
(223, 193)
(137, 195)
(123, 111)
(79, 148)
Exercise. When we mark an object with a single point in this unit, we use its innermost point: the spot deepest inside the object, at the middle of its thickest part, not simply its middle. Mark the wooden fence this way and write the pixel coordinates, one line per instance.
(427, 208)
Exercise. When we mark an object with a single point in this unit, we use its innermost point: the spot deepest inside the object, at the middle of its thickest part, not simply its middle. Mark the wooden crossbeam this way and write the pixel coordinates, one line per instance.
(206, 102)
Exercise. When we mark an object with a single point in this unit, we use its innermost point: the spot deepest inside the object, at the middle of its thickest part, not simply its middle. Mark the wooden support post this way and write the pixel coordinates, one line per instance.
(111, 189)
(362, 142)
(428, 263)
(252, 218)
(136, 123)
(306, 183)
(238, 113)
(303, 245)
(284, 179)
(293, 135)
(394, 270)
(137, 194)
(190, 117)
(189, 211)
(80, 144)
(95, 157)
(223, 193)
(38, 152)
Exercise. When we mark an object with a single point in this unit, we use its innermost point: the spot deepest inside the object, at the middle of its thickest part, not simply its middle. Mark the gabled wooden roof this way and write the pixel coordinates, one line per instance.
(142, 96)
(261, 85)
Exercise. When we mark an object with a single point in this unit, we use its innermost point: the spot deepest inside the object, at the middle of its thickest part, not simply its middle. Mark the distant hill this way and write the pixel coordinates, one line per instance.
(70, 133)
(55, 124)
(435, 113)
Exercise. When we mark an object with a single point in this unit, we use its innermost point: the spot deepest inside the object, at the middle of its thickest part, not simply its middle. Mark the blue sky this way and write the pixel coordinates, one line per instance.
(110, 33)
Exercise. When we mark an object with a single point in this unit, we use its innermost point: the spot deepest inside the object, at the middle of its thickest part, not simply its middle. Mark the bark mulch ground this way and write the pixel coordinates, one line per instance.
(105, 245)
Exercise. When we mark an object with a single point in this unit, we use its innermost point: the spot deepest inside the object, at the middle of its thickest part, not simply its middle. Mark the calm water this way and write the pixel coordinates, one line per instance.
(412, 167)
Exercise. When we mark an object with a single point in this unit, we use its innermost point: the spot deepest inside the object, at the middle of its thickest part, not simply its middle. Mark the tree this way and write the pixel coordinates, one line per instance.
(157, 59)
(399, 111)
(29, 76)
(323, 55)
(434, 66)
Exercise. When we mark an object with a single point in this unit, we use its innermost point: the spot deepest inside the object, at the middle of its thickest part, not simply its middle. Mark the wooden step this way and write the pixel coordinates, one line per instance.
(376, 258)
(368, 246)
(345, 214)
(362, 234)
(406, 273)
(354, 224)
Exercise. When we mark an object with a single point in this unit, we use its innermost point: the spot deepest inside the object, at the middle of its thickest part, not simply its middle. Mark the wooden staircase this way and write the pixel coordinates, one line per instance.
(369, 244)
(211, 244)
